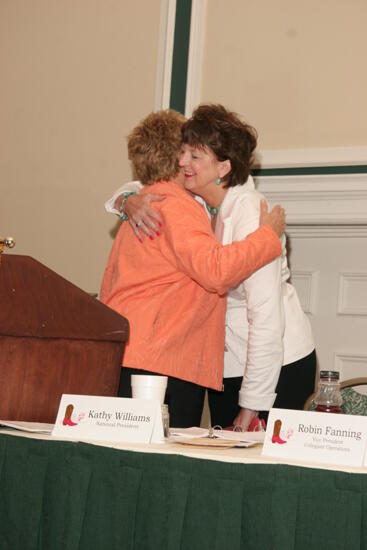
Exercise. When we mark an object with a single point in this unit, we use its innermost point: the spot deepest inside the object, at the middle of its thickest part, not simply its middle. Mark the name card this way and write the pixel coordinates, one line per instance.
(113, 419)
(316, 437)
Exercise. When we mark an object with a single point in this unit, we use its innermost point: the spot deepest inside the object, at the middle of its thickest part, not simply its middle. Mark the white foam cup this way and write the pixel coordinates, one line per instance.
(146, 386)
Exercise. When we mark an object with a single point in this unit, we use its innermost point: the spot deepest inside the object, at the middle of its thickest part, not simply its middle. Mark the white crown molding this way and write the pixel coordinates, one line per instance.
(196, 49)
(295, 158)
(326, 232)
(165, 54)
(329, 200)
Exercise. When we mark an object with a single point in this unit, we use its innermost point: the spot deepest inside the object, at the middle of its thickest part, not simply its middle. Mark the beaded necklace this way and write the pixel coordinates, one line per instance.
(213, 211)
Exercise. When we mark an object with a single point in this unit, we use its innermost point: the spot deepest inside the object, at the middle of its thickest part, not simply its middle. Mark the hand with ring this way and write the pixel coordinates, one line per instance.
(142, 218)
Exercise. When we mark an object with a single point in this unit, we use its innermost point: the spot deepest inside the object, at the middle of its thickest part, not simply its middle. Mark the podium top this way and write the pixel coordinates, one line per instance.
(37, 302)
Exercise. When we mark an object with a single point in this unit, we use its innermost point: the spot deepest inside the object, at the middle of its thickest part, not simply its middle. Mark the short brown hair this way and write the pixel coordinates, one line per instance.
(154, 146)
(229, 138)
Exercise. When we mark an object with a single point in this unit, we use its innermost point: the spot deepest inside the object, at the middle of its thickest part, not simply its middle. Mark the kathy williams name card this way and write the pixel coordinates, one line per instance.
(112, 419)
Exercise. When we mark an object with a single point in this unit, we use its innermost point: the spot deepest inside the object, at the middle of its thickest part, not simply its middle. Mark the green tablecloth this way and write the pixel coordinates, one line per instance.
(62, 495)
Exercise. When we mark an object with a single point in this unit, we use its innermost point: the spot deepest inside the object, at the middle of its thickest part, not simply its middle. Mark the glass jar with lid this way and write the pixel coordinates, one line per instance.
(328, 397)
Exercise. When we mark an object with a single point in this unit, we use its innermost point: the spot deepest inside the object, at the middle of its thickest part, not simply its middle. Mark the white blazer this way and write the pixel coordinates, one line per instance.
(265, 324)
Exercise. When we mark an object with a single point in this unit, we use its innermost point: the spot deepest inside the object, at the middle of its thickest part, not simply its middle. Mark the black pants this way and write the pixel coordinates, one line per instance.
(185, 400)
(296, 383)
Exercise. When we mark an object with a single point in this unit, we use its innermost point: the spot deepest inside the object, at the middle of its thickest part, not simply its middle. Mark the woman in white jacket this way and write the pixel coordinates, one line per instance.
(266, 328)
(269, 357)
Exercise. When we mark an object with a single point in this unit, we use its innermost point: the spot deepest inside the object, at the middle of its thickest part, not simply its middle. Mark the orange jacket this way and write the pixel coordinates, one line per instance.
(172, 289)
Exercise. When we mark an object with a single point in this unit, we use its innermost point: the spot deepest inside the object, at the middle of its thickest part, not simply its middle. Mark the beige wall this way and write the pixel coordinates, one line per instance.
(295, 70)
(76, 76)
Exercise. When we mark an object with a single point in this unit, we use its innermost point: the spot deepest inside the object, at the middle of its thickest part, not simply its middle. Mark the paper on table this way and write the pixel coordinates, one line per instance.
(240, 437)
(34, 427)
(189, 432)
(209, 442)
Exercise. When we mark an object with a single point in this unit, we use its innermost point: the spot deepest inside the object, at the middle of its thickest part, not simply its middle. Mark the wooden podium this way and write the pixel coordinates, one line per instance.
(54, 339)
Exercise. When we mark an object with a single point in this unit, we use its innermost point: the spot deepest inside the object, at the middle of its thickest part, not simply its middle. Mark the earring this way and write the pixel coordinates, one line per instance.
(217, 181)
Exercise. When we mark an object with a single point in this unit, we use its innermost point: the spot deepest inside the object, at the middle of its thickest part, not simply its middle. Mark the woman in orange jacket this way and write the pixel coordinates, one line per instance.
(173, 290)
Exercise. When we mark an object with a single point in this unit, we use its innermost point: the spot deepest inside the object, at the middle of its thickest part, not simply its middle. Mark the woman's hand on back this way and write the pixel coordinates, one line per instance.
(275, 218)
(142, 218)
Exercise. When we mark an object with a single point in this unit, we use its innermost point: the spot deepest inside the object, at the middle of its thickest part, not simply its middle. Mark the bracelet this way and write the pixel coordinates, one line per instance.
(124, 217)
